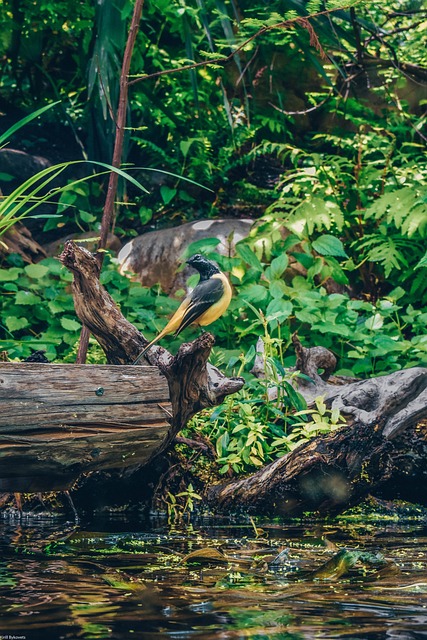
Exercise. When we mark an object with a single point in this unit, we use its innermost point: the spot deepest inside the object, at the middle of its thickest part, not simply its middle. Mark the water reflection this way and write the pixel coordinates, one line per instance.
(117, 579)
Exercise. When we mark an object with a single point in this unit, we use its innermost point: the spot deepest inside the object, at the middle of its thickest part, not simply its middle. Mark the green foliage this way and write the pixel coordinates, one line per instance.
(370, 190)
(181, 505)
(32, 193)
(37, 310)
(368, 337)
(266, 420)
(4, 137)
(322, 421)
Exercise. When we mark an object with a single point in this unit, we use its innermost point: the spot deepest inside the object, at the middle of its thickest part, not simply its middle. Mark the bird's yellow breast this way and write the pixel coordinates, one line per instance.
(217, 309)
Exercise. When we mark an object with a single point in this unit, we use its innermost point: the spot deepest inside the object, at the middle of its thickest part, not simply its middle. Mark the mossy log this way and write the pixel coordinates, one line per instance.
(58, 422)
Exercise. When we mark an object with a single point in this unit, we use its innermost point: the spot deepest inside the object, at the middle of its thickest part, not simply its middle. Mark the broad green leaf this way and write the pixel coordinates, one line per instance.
(7, 275)
(334, 328)
(278, 289)
(328, 245)
(248, 256)
(304, 315)
(254, 293)
(222, 444)
(278, 266)
(201, 246)
(304, 259)
(185, 145)
(14, 324)
(27, 298)
(167, 193)
(145, 215)
(279, 309)
(10, 286)
(297, 400)
(86, 216)
(374, 323)
(36, 271)
(70, 325)
(55, 307)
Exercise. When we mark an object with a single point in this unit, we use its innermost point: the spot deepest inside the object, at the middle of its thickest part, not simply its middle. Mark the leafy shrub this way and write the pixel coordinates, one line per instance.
(367, 337)
(37, 310)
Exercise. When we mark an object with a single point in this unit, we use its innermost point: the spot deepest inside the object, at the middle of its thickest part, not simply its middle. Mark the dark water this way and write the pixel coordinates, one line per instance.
(122, 580)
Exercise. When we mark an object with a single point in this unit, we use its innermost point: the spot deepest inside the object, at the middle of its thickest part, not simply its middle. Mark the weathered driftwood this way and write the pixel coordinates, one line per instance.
(18, 239)
(384, 442)
(58, 421)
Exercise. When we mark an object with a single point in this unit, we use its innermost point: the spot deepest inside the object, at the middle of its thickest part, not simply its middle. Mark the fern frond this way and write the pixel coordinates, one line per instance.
(404, 208)
(390, 252)
(315, 214)
(155, 149)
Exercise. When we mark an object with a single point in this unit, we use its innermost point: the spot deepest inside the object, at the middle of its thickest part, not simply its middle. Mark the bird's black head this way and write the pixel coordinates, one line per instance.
(203, 266)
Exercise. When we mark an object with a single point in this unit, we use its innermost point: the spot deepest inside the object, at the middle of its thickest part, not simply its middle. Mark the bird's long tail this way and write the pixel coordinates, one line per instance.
(150, 344)
(144, 351)
(175, 325)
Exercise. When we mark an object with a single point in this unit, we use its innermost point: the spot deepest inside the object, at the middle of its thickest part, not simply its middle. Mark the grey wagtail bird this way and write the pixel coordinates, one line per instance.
(205, 304)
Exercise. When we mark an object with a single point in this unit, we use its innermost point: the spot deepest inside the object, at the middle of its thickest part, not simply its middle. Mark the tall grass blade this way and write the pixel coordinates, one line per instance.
(4, 137)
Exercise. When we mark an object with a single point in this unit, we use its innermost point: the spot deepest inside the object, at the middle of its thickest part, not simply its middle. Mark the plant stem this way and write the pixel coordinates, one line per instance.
(108, 212)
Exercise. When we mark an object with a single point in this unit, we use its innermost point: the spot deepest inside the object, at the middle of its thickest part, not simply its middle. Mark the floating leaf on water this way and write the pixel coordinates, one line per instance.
(337, 566)
(119, 580)
(206, 556)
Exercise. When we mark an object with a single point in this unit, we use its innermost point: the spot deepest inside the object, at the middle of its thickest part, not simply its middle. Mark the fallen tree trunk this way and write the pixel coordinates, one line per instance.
(59, 421)
(384, 442)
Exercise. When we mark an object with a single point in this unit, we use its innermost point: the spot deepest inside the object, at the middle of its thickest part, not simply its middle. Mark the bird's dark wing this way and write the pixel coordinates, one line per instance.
(204, 295)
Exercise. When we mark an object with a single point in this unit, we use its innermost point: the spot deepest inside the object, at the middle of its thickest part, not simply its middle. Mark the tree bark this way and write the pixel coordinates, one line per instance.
(59, 421)
(19, 240)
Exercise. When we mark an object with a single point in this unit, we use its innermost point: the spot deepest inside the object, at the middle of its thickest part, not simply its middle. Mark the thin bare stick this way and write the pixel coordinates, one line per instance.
(108, 213)
(302, 21)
